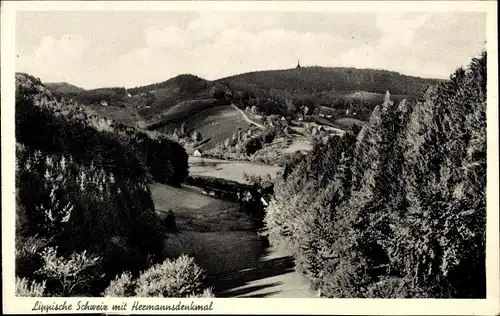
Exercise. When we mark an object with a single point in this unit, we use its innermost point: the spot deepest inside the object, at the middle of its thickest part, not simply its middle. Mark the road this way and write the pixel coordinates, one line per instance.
(245, 116)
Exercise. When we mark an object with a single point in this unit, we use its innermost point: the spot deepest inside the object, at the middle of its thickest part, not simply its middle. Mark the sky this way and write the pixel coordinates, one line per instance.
(128, 49)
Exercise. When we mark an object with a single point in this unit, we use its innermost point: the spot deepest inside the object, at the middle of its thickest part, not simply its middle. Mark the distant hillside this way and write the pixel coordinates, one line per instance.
(182, 84)
(157, 97)
(316, 79)
(63, 88)
(348, 92)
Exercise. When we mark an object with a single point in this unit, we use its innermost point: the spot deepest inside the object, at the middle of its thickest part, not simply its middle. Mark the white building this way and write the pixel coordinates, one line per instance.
(197, 153)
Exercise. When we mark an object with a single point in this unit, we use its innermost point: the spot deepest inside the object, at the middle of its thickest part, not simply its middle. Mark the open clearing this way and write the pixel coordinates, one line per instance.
(126, 116)
(215, 124)
(222, 239)
(230, 170)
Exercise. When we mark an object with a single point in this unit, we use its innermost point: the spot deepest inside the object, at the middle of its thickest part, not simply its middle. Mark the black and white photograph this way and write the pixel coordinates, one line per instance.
(228, 150)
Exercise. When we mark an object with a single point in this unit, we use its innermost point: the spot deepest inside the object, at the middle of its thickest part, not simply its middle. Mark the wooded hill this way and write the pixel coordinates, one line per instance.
(284, 92)
(82, 185)
(398, 209)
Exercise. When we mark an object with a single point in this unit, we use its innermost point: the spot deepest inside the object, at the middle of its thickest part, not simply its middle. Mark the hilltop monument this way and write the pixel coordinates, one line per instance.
(298, 63)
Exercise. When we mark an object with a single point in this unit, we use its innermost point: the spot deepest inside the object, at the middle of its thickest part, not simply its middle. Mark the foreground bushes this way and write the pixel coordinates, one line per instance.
(398, 209)
(25, 287)
(179, 278)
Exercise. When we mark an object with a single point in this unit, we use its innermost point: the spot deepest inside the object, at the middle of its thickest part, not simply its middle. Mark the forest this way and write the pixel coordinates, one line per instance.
(398, 208)
(85, 218)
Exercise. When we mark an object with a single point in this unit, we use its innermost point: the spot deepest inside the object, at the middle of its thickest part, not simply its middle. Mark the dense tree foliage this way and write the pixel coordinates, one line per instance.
(82, 186)
(397, 209)
(113, 96)
(273, 91)
(187, 84)
(315, 79)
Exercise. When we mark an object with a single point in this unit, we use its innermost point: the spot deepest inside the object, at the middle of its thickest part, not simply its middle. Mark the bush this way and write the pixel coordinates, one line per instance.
(121, 286)
(207, 293)
(30, 289)
(179, 278)
(28, 259)
(71, 272)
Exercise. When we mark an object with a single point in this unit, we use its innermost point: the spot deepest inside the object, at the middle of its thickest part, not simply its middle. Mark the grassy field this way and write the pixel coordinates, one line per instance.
(126, 116)
(216, 233)
(231, 170)
(215, 124)
(179, 112)
(222, 239)
(346, 123)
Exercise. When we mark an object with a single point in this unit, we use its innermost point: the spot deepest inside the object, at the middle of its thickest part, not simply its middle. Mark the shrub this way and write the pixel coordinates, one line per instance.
(179, 278)
(28, 259)
(68, 272)
(207, 293)
(121, 286)
(30, 289)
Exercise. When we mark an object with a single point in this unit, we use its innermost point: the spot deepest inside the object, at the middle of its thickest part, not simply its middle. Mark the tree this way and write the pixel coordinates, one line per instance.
(290, 106)
(196, 136)
(398, 208)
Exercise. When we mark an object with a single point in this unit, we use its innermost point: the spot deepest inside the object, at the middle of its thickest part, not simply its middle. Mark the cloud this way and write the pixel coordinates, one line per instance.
(213, 47)
(219, 44)
(55, 56)
(429, 45)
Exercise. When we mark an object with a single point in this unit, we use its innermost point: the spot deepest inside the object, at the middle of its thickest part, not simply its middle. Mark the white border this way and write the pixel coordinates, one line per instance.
(489, 306)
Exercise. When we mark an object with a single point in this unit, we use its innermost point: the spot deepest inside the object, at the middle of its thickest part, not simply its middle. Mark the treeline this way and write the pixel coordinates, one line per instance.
(113, 96)
(187, 84)
(302, 104)
(293, 91)
(308, 80)
(84, 212)
(397, 209)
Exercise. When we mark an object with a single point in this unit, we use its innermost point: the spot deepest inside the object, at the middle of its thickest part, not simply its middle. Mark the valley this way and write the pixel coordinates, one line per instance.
(215, 122)
(222, 239)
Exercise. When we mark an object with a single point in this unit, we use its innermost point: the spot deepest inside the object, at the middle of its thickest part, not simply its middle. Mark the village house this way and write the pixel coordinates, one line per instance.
(104, 103)
(197, 153)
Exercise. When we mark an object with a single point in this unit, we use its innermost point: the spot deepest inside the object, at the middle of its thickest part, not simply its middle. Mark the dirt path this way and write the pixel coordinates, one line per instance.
(273, 276)
(222, 239)
(245, 116)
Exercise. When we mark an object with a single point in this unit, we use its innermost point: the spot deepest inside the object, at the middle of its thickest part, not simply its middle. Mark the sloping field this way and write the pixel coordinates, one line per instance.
(363, 95)
(216, 233)
(122, 115)
(195, 211)
(180, 112)
(221, 238)
(299, 144)
(215, 124)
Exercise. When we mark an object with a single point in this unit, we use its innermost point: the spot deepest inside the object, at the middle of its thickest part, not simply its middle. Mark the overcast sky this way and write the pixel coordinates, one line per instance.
(97, 49)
